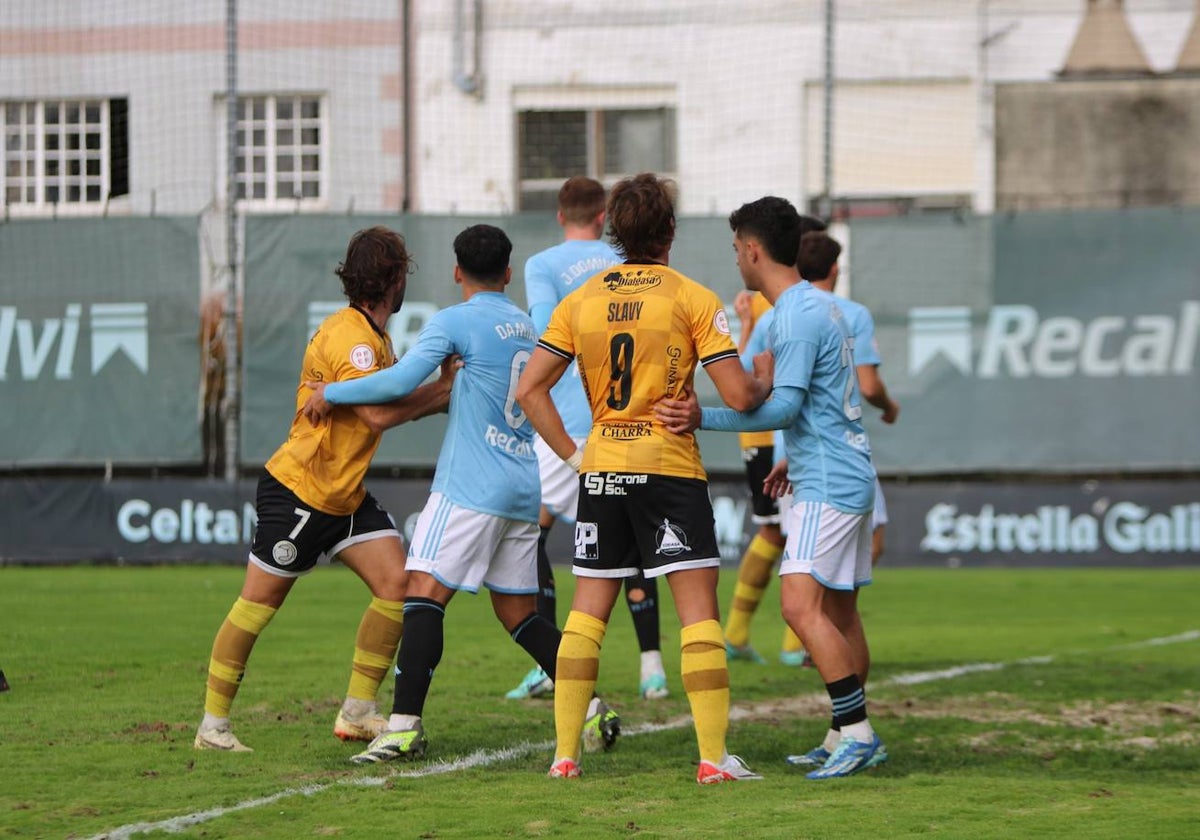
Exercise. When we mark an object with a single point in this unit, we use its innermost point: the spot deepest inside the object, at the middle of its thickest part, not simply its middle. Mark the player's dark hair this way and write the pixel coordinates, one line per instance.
(774, 222)
(483, 252)
(580, 199)
(641, 216)
(376, 258)
(818, 255)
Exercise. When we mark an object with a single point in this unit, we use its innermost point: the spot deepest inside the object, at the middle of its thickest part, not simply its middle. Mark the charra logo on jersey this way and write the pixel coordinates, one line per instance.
(671, 539)
(1018, 343)
(116, 328)
(632, 282)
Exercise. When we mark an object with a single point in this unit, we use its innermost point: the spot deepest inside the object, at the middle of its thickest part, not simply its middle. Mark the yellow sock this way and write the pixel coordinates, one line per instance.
(231, 648)
(706, 681)
(791, 642)
(576, 668)
(754, 574)
(375, 647)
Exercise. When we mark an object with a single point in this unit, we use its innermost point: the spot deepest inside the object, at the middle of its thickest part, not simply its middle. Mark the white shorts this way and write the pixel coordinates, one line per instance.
(560, 483)
(879, 515)
(832, 546)
(464, 548)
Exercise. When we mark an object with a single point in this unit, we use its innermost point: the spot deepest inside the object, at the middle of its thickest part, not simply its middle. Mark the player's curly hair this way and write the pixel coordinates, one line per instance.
(376, 258)
(641, 216)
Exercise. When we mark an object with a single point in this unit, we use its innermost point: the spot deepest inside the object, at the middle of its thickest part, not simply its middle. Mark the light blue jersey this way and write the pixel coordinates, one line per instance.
(757, 342)
(829, 456)
(862, 329)
(487, 461)
(550, 276)
(815, 401)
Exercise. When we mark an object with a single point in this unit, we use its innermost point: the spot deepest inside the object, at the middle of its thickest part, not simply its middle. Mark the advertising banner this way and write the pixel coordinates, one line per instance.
(948, 524)
(99, 353)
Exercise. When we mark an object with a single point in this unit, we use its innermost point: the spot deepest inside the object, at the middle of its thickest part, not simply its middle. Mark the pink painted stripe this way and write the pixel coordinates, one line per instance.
(202, 37)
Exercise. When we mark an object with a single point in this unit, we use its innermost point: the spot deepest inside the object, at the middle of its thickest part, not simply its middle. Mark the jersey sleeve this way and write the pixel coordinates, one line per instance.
(539, 285)
(794, 344)
(355, 353)
(866, 348)
(557, 337)
(757, 342)
(710, 327)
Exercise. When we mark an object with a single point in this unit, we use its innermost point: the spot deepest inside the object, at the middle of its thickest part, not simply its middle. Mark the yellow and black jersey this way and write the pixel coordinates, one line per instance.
(638, 331)
(753, 440)
(325, 465)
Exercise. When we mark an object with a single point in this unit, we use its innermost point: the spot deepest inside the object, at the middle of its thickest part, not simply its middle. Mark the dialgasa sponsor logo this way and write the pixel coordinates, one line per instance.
(633, 282)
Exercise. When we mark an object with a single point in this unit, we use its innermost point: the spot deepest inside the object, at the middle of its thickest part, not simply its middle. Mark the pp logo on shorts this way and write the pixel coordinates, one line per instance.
(284, 553)
(587, 541)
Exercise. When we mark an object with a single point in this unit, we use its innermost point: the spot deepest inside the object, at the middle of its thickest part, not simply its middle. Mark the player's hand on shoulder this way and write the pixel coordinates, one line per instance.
(679, 416)
(316, 409)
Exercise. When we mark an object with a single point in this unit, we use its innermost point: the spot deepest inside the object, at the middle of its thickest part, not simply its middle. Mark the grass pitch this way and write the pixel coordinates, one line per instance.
(1014, 703)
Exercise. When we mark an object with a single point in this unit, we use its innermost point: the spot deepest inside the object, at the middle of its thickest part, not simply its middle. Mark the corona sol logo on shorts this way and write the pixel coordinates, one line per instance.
(362, 357)
(671, 539)
(284, 553)
(632, 283)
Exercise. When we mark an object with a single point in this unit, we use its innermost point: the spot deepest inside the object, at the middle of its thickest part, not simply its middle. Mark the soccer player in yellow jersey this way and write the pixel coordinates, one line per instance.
(311, 499)
(766, 546)
(638, 331)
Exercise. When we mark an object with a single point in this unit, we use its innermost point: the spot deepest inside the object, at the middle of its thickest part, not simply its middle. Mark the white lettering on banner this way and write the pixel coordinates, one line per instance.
(511, 444)
(1017, 343)
(1125, 527)
(192, 522)
(115, 327)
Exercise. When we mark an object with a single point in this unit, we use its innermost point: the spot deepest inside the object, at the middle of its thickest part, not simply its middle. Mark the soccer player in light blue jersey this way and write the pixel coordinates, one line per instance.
(817, 263)
(816, 402)
(480, 523)
(550, 276)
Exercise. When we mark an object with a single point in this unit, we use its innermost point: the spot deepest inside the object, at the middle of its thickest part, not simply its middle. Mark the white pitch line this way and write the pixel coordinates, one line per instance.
(483, 758)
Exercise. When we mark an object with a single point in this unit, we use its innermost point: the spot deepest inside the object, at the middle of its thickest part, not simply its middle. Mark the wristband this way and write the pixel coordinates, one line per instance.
(576, 459)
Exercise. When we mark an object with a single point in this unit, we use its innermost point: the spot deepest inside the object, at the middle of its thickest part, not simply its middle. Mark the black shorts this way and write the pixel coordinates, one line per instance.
(662, 522)
(291, 534)
(759, 460)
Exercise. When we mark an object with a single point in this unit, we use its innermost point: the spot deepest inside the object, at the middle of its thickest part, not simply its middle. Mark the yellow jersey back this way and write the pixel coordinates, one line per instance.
(638, 331)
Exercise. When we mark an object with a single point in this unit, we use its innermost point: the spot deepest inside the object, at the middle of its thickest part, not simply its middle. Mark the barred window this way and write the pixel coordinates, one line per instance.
(64, 151)
(606, 144)
(280, 156)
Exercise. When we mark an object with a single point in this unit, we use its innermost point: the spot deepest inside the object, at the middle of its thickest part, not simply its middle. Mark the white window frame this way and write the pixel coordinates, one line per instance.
(271, 201)
(27, 144)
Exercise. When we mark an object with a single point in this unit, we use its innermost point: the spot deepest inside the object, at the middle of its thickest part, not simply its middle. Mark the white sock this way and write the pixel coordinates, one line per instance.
(861, 731)
(652, 663)
(831, 740)
(214, 722)
(400, 723)
(357, 708)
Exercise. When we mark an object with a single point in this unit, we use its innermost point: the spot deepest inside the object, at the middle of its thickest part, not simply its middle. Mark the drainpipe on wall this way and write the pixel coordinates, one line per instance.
(469, 83)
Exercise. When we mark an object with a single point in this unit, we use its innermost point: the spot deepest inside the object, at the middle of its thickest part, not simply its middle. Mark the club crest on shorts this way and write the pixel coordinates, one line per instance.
(671, 539)
(284, 553)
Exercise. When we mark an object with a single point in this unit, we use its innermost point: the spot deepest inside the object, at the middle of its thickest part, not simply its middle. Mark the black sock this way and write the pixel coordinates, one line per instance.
(849, 701)
(540, 640)
(547, 596)
(420, 653)
(645, 611)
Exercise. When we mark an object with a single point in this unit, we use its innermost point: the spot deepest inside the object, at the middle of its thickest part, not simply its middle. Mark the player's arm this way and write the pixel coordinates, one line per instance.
(430, 398)
(543, 370)
(779, 412)
(739, 389)
(870, 384)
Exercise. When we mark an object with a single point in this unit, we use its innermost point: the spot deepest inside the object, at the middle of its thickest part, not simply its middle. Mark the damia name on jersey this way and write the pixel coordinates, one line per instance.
(518, 330)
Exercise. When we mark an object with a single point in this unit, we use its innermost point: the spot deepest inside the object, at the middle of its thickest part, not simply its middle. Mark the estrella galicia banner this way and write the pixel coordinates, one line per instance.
(99, 358)
(1063, 342)
(947, 524)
